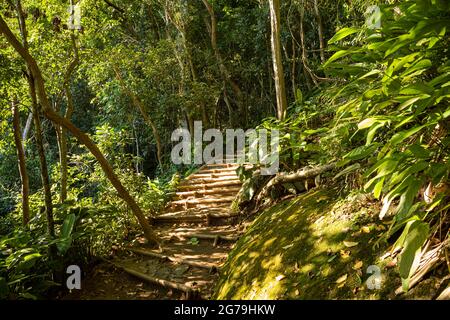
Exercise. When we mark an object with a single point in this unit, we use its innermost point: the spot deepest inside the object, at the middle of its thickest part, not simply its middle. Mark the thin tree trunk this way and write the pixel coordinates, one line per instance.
(37, 127)
(22, 164)
(138, 152)
(320, 31)
(294, 64)
(81, 136)
(307, 71)
(63, 150)
(280, 87)
(38, 130)
(140, 106)
(42, 159)
(27, 128)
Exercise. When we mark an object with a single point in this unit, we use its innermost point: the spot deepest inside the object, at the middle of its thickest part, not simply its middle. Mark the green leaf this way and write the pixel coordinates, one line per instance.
(298, 96)
(29, 296)
(407, 199)
(402, 135)
(418, 66)
(416, 236)
(337, 55)
(372, 132)
(378, 188)
(361, 152)
(367, 123)
(343, 33)
(67, 226)
(194, 241)
(419, 152)
(65, 237)
(347, 170)
(400, 175)
(408, 102)
(384, 167)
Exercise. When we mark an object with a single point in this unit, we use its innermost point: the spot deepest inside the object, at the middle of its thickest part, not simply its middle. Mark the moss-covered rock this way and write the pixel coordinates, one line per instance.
(316, 246)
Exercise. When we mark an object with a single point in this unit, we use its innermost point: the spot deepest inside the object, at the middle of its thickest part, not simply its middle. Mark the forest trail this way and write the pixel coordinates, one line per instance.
(197, 229)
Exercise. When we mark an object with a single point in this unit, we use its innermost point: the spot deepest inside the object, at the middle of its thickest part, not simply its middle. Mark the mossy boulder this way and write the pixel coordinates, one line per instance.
(315, 246)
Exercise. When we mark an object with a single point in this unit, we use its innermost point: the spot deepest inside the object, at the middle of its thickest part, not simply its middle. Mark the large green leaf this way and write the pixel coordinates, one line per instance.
(407, 198)
(67, 226)
(337, 55)
(416, 236)
(343, 33)
(402, 135)
(410, 170)
(65, 238)
(361, 152)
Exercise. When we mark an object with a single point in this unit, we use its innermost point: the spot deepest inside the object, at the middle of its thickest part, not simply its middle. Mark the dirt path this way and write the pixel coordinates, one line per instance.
(198, 230)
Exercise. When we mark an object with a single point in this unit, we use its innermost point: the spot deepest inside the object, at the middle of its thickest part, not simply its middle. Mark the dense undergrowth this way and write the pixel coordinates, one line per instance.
(385, 121)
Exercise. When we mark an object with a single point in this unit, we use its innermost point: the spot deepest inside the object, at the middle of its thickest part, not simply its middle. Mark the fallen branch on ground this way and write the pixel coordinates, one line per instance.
(300, 175)
(190, 292)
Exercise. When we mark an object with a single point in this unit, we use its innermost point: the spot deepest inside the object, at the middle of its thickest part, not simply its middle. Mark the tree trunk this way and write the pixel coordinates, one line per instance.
(81, 136)
(320, 31)
(27, 128)
(63, 145)
(42, 159)
(280, 88)
(306, 70)
(22, 164)
(37, 124)
(294, 64)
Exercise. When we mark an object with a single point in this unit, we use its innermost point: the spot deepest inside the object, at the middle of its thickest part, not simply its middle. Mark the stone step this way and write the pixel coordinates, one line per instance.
(209, 200)
(212, 192)
(199, 209)
(180, 217)
(216, 238)
(211, 175)
(197, 206)
(210, 185)
(217, 171)
(168, 232)
(209, 180)
(220, 165)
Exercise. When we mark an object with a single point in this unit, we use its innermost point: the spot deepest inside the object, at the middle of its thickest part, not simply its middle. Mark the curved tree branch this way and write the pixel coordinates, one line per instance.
(80, 135)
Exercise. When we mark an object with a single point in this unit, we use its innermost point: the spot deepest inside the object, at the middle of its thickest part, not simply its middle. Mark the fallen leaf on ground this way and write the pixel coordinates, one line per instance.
(144, 294)
(358, 265)
(365, 229)
(350, 244)
(280, 277)
(342, 279)
(345, 254)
